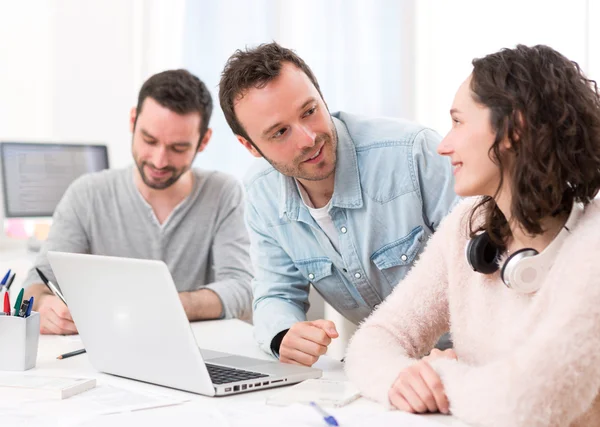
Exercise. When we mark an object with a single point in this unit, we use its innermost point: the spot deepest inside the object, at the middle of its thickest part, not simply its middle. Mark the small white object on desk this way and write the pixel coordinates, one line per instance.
(321, 391)
(13, 385)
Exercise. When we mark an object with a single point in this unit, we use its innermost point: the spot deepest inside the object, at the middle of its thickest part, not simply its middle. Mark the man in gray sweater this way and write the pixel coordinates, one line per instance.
(160, 209)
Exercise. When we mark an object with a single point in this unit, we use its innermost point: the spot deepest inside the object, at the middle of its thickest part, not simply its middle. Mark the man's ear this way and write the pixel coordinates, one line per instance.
(248, 145)
(205, 140)
(132, 117)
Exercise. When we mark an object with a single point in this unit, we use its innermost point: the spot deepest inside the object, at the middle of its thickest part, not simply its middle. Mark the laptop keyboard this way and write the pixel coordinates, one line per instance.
(223, 375)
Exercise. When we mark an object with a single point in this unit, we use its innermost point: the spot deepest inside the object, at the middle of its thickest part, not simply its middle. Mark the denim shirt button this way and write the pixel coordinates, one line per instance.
(343, 230)
(357, 275)
(311, 276)
(403, 257)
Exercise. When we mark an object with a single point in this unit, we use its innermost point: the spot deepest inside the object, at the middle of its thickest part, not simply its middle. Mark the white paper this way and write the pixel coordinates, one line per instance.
(103, 399)
(298, 415)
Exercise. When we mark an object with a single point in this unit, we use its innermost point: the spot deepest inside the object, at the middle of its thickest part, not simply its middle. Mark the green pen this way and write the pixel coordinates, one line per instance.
(18, 302)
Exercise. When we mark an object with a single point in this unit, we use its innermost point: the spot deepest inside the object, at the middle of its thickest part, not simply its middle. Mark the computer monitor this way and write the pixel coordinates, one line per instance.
(35, 176)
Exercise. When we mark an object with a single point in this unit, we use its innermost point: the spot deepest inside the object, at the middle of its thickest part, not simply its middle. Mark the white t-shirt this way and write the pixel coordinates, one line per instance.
(322, 217)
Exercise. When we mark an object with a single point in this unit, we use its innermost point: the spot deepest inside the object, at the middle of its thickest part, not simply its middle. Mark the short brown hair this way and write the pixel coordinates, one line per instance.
(254, 68)
(181, 92)
(550, 113)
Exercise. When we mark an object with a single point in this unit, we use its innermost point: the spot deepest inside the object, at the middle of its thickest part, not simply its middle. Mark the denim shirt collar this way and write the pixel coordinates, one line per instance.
(347, 192)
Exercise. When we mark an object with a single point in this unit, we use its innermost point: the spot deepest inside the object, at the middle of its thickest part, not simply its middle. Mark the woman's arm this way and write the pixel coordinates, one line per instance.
(409, 322)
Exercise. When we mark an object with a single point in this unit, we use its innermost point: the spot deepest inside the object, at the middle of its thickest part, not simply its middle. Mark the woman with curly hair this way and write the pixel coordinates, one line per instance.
(513, 273)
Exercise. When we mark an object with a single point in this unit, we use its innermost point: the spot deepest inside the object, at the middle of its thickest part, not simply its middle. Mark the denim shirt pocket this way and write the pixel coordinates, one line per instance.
(327, 281)
(395, 259)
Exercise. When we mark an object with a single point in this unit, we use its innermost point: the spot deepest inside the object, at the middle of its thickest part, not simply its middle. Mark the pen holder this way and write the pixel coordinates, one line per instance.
(19, 337)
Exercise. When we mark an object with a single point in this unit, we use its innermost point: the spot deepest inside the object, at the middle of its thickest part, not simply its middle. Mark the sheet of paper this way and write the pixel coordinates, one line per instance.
(298, 415)
(102, 400)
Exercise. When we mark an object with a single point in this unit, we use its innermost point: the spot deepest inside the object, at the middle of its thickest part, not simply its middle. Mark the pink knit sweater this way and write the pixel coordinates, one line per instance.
(523, 360)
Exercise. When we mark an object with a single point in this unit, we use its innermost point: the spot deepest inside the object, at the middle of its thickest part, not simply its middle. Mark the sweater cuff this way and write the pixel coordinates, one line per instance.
(451, 372)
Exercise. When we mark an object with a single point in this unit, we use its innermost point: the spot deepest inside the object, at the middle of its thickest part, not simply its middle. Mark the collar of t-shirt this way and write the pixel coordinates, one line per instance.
(321, 216)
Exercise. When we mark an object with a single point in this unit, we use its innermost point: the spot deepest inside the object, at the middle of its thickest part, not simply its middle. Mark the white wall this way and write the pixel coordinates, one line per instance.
(66, 72)
(451, 34)
(94, 74)
(26, 71)
(593, 41)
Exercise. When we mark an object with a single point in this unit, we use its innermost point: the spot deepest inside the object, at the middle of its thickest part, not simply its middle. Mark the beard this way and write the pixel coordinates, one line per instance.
(315, 172)
(169, 180)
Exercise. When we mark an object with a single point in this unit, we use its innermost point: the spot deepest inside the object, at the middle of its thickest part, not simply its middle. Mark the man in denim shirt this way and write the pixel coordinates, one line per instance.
(343, 203)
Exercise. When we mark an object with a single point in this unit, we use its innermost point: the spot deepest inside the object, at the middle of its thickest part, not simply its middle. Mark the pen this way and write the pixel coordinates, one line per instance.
(28, 313)
(23, 309)
(17, 306)
(328, 418)
(6, 304)
(71, 354)
(10, 281)
(50, 285)
(3, 282)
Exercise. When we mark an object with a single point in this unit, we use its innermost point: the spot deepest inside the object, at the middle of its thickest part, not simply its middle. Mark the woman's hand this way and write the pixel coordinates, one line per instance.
(419, 388)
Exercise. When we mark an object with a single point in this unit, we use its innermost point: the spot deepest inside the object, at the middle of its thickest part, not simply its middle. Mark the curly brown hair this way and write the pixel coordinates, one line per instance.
(550, 113)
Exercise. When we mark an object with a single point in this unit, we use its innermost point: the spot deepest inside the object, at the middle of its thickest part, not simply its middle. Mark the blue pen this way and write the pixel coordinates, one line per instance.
(328, 418)
(3, 282)
(29, 307)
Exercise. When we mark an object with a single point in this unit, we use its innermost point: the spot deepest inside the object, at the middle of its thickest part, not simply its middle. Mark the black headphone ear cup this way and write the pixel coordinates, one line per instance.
(482, 254)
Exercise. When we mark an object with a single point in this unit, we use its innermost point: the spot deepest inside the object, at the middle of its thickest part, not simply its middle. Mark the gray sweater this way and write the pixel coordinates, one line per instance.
(203, 242)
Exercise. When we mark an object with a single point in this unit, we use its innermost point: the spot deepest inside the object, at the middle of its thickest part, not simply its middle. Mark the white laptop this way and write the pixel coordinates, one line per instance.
(133, 325)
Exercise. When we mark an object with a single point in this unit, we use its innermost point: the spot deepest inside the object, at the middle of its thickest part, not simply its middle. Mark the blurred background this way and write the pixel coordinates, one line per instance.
(70, 70)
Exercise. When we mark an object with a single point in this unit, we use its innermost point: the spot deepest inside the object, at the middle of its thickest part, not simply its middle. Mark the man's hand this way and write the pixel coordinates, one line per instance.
(55, 317)
(306, 341)
(419, 388)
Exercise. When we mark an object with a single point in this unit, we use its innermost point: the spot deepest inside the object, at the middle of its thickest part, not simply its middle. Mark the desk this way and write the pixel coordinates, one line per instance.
(232, 336)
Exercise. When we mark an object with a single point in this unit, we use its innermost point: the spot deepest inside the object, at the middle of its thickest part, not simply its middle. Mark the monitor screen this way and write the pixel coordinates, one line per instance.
(35, 176)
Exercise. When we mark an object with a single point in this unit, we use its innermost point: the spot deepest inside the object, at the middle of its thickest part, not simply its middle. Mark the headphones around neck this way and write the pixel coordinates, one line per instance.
(526, 269)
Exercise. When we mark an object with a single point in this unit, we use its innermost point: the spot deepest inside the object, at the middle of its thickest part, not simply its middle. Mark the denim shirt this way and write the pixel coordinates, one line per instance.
(391, 191)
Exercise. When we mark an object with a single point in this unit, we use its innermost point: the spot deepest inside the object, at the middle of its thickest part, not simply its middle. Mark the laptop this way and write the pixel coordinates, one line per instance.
(133, 325)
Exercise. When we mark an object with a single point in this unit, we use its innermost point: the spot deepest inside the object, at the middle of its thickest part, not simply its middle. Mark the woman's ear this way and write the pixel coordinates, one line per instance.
(514, 131)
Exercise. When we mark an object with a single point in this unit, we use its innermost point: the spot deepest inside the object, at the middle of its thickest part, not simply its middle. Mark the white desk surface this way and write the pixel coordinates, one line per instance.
(232, 336)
